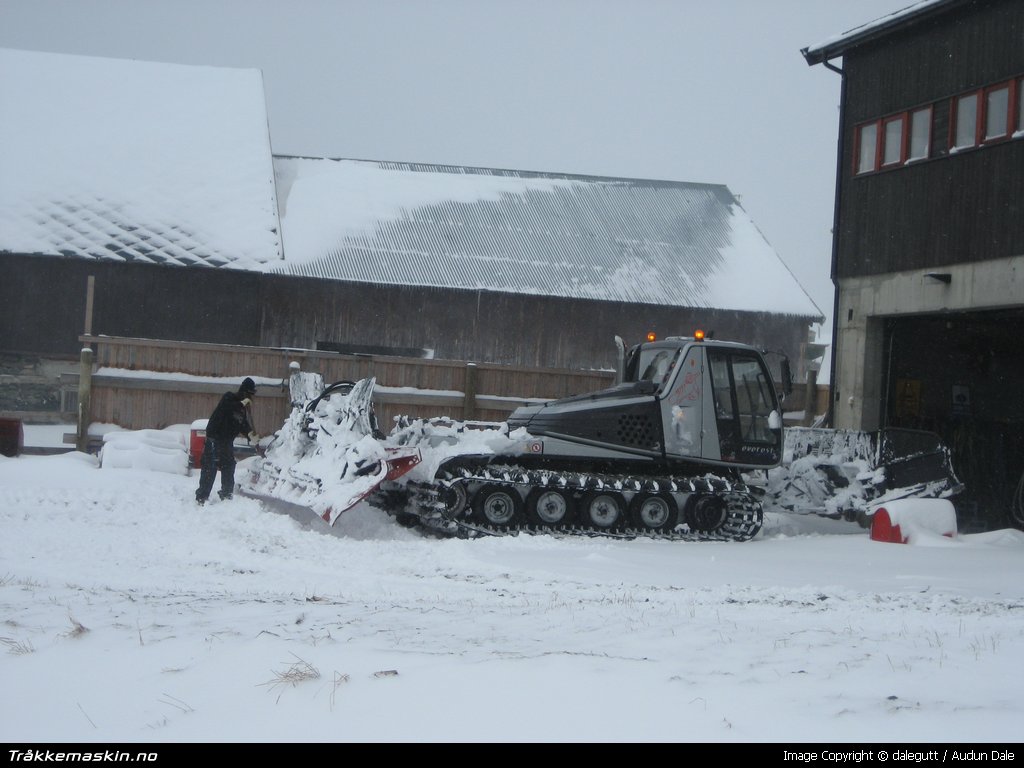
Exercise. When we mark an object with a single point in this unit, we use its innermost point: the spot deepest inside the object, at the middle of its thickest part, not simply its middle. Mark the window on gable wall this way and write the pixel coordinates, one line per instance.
(920, 133)
(966, 125)
(892, 146)
(1020, 107)
(997, 112)
(867, 143)
(988, 115)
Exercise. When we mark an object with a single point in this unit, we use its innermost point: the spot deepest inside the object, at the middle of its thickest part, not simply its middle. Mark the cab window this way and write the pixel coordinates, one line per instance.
(658, 367)
(742, 396)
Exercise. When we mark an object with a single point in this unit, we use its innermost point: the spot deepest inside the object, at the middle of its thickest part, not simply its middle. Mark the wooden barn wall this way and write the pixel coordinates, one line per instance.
(491, 327)
(947, 209)
(43, 302)
(42, 310)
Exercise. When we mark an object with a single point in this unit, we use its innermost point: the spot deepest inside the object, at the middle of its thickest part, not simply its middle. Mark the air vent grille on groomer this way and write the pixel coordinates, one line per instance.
(636, 430)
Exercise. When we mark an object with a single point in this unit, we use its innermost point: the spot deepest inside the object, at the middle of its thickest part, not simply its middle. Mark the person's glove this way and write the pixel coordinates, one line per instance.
(247, 402)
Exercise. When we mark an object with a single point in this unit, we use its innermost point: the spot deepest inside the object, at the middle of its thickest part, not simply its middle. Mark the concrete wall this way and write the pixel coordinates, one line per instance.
(865, 301)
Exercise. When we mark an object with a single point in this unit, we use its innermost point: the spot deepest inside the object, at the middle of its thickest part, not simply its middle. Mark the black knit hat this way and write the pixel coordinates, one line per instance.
(248, 387)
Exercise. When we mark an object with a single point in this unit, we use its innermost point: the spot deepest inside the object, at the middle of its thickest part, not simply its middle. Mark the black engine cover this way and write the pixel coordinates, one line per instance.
(634, 425)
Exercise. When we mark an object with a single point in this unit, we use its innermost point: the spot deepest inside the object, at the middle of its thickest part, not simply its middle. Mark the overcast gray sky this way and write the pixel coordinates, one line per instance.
(685, 90)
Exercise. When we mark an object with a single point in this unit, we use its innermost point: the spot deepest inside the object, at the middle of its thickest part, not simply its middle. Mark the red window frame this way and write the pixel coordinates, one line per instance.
(929, 111)
(1011, 90)
(880, 125)
(954, 119)
(1017, 101)
(1014, 126)
(883, 136)
(876, 162)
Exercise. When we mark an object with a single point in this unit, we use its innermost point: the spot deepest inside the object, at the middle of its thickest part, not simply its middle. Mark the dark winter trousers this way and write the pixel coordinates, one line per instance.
(217, 454)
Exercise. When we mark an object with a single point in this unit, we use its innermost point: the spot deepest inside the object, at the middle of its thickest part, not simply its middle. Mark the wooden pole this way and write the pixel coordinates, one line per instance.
(469, 406)
(84, 400)
(811, 396)
(85, 374)
(90, 288)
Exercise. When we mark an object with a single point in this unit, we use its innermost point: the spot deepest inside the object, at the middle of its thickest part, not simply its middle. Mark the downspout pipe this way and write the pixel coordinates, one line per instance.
(830, 417)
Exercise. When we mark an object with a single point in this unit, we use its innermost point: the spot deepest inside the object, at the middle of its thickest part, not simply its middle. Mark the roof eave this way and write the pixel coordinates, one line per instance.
(868, 33)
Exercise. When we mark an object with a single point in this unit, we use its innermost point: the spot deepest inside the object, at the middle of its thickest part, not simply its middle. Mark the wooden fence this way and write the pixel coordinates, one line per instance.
(151, 383)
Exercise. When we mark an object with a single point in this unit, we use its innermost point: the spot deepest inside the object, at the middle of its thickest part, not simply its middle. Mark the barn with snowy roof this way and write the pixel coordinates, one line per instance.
(192, 230)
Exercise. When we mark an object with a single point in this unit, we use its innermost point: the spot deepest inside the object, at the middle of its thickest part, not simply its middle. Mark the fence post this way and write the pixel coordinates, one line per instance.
(811, 396)
(469, 406)
(84, 400)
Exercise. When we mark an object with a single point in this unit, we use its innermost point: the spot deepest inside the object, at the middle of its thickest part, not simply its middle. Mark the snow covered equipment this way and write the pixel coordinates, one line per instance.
(677, 449)
(660, 454)
(327, 456)
(848, 473)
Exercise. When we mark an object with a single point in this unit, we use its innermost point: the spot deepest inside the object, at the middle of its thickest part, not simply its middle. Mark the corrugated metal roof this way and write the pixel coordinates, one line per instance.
(135, 161)
(203, 190)
(613, 239)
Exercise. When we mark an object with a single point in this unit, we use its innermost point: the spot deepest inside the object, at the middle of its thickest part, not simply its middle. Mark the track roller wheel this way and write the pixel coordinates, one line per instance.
(603, 509)
(706, 512)
(654, 511)
(498, 506)
(455, 499)
(550, 508)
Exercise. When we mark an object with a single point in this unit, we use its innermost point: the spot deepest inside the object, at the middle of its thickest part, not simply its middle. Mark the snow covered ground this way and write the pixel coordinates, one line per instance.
(132, 615)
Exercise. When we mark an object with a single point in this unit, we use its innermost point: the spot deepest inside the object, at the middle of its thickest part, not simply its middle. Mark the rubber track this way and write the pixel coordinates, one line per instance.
(743, 520)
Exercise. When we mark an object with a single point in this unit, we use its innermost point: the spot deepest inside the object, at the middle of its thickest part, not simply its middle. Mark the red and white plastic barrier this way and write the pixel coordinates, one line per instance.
(900, 521)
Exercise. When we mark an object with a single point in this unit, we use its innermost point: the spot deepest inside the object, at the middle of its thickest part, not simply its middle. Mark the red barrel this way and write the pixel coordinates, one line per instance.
(12, 437)
(197, 442)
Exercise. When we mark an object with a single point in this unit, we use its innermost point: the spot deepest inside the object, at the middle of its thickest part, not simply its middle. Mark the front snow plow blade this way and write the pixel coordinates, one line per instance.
(327, 456)
(846, 473)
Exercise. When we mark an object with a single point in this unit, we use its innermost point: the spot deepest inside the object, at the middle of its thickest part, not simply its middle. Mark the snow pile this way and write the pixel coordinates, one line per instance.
(440, 439)
(158, 450)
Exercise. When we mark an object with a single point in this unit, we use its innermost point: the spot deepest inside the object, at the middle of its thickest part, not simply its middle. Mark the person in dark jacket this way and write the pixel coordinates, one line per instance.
(229, 419)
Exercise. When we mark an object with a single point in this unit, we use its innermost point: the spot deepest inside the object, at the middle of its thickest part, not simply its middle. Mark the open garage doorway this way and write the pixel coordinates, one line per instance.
(962, 375)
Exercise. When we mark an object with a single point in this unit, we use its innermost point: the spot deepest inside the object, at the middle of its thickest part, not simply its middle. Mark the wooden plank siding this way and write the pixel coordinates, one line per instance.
(949, 208)
(956, 52)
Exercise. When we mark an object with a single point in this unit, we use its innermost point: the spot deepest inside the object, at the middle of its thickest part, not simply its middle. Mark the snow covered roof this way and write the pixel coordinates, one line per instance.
(172, 164)
(137, 161)
(837, 45)
(630, 240)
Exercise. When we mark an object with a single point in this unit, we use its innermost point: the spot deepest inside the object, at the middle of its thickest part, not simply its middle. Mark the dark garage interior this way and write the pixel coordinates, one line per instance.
(961, 375)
